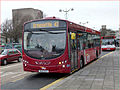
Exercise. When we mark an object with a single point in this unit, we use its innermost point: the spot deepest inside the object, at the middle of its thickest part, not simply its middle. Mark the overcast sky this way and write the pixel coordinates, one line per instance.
(97, 13)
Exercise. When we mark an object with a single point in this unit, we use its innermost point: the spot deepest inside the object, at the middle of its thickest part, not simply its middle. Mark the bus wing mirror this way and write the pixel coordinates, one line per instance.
(73, 36)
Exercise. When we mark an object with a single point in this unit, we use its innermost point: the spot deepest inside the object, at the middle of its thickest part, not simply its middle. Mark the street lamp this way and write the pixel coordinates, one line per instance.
(66, 11)
(84, 23)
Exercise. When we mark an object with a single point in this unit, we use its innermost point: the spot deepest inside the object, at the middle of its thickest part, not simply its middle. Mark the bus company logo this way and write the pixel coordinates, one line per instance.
(42, 67)
(43, 63)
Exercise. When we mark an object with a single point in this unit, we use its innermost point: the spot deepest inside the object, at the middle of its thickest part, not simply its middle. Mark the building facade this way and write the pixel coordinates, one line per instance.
(20, 16)
(107, 32)
(117, 34)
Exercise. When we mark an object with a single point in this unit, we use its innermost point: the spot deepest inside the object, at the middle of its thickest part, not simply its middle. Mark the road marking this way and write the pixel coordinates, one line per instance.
(49, 85)
(10, 66)
(9, 73)
(74, 70)
(104, 56)
(18, 79)
(100, 58)
(19, 75)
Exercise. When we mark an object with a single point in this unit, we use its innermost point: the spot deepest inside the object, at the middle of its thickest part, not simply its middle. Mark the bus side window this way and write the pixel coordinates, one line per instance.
(85, 43)
(89, 40)
(89, 44)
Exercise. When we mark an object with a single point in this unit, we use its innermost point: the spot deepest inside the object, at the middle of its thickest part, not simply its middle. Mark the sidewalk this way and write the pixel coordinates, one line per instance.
(100, 74)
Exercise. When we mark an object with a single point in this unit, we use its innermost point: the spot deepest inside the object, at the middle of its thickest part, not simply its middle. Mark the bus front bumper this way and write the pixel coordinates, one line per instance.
(46, 69)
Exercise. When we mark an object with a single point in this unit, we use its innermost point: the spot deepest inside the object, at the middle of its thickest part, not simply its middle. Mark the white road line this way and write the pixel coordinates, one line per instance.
(18, 75)
(10, 66)
(9, 73)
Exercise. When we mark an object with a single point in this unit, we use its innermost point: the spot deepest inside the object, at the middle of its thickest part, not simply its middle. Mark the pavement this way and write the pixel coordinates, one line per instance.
(101, 74)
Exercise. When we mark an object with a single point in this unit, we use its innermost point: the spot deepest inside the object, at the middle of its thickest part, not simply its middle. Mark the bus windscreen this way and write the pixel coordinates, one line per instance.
(41, 42)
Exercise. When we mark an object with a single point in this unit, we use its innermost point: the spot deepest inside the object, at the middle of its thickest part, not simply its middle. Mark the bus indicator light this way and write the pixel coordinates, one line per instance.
(73, 36)
(59, 62)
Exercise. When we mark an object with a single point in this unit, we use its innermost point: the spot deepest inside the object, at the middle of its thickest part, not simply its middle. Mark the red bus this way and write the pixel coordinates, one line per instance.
(108, 43)
(54, 45)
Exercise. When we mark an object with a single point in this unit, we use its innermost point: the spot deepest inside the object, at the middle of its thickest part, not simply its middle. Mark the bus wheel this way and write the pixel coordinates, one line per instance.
(4, 62)
(81, 63)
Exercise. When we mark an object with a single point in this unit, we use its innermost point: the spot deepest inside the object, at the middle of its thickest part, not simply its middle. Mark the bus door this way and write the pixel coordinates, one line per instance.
(73, 48)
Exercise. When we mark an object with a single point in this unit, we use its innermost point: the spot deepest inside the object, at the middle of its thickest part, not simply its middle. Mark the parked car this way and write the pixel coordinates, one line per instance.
(8, 55)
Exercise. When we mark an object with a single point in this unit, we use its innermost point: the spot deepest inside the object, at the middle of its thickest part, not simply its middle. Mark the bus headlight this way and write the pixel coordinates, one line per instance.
(25, 61)
(63, 66)
(65, 61)
(59, 62)
(62, 62)
(25, 65)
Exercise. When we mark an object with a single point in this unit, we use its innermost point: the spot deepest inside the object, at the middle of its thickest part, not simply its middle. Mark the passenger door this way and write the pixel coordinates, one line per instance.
(73, 53)
(10, 55)
(16, 54)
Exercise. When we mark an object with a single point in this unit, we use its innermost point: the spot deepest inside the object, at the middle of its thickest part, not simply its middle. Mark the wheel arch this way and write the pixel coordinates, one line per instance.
(82, 57)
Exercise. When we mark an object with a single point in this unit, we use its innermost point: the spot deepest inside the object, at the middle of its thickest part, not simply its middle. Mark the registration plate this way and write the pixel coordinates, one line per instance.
(43, 71)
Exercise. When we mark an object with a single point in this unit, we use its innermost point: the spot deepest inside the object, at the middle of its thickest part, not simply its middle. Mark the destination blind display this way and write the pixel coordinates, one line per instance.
(45, 24)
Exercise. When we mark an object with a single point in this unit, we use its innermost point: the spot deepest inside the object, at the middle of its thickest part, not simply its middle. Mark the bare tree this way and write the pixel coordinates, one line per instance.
(7, 28)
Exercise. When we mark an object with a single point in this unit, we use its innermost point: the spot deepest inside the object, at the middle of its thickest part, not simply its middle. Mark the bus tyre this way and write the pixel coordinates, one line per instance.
(19, 59)
(4, 62)
(81, 63)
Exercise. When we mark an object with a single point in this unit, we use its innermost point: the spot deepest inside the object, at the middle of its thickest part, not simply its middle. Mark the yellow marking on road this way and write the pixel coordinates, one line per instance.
(100, 58)
(105, 55)
(49, 85)
(74, 70)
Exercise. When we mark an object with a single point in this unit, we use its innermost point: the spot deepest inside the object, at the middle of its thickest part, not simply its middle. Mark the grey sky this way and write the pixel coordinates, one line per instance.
(97, 13)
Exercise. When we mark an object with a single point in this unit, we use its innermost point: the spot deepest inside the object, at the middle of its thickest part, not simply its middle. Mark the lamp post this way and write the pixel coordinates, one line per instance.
(84, 23)
(66, 11)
